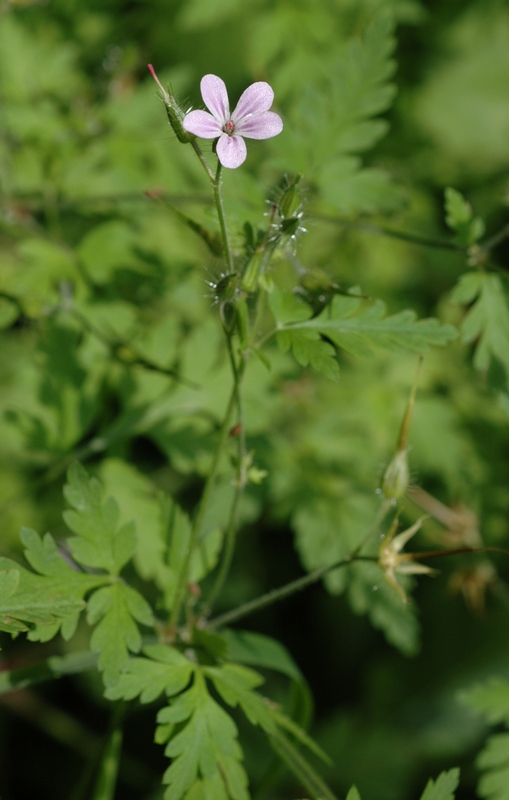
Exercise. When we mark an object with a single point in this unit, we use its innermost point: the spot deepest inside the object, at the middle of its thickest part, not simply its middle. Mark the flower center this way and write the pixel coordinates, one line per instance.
(229, 127)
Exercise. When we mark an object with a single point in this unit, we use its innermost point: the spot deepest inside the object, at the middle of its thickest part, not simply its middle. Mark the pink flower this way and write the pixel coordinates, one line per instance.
(251, 118)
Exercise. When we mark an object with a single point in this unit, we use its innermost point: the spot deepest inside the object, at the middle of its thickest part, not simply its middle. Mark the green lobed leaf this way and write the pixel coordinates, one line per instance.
(444, 786)
(460, 218)
(310, 350)
(494, 761)
(356, 325)
(235, 684)
(139, 501)
(490, 699)
(116, 609)
(164, 670)
(99, 542)
(205, 749)
(487, 321)
(361, 326)
(44, 603)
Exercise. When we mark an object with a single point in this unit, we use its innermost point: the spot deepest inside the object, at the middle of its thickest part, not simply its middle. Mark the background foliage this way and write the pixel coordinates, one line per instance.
(112, 355)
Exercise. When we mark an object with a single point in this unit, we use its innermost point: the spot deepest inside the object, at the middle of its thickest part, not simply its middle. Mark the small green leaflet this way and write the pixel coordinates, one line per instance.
(487, 321)
(99, 542)
(491, 700)
(164, 670)
(205, 752)
(356, 325)
(460, 218)
(51, 598)
(235, 684)
(494, 761)
(360, 326)
(309, 349)
(353, 794)
(42, 603)
(117, 609)
(307, 346)
(444, 786)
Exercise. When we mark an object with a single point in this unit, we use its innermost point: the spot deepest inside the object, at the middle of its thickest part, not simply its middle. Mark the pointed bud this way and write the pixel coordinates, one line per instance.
(174, 111)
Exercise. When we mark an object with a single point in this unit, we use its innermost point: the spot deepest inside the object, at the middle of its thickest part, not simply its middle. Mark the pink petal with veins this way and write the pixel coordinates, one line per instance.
(256, 99)
(215, 97)
(202, 124)
(260, 126)
(231, 151)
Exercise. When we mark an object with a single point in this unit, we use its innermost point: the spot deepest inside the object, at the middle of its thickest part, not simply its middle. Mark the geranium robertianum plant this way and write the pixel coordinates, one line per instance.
(169, 644)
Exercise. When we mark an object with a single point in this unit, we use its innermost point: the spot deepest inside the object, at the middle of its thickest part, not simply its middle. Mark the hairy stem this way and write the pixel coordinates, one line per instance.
(216, 186)
(283, 591)
(202, 508)
(240, 484)
(235, 399)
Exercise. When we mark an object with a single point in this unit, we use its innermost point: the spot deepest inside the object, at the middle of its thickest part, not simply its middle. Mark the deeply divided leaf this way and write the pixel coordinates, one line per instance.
(43, 602)
(164, 670)
(487, 321)
(444, 786)
(100, 542)
(360, 327)
(490, 699)
(205, 751)
(117, 609)
(354, 324)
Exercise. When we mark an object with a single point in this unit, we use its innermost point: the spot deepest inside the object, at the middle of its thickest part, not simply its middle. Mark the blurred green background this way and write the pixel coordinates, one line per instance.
(385, 104)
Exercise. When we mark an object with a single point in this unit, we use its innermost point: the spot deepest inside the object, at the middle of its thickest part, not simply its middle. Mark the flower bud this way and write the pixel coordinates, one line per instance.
(253, 271)
(290, 199)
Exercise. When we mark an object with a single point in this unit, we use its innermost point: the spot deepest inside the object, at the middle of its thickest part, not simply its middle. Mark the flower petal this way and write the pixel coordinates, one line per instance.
(202, 124)
(231, 151)
(215, 97)
(260, 126)
(256, 99)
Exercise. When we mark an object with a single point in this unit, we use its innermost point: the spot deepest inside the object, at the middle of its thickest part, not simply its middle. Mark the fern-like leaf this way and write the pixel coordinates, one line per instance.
(487, 321)
(444, 786)
(99, 542)
(205, 752)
